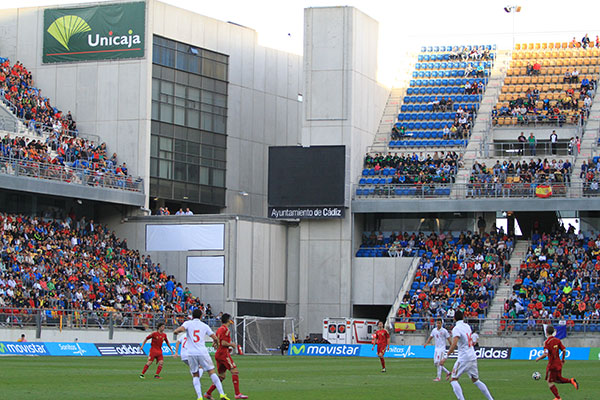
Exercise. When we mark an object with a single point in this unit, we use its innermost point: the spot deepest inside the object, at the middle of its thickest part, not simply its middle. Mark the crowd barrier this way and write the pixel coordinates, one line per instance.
(488, 353)
(77, 349)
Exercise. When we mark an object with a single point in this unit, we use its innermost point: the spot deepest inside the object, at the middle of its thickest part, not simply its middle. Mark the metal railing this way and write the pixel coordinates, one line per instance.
(72, 175)
(507, 326)
(39, 319)
(475, 190)
(520, 149)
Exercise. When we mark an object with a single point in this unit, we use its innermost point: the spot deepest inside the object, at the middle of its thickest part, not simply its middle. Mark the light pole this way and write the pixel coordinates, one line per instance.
(513, 9)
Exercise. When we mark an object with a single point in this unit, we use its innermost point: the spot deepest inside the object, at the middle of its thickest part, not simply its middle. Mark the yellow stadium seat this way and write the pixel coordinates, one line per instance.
(530, 46)
(517, 46)
(544, 46)
(538, 46)
(565, 45)
(550, 45)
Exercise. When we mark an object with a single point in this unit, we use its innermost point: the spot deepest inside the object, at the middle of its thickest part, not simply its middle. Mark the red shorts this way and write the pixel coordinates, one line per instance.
(553, 374)
(381, 349)
(155, 355)
(224, 362)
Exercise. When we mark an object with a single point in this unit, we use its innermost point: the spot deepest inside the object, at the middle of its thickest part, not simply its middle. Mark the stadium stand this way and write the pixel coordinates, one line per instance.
(54, 151)
(82, 271)
(443, 98)
(520, 179)
(408, 175)
(557, 280)
(590, 173)
(548, 83)
(460, 272)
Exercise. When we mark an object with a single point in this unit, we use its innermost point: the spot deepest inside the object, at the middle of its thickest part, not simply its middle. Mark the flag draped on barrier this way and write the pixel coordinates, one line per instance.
(543, 191)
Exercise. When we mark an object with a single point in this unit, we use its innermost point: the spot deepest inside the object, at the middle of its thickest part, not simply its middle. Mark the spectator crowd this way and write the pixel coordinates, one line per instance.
(557, 281)
(80, 265)
(439, 167)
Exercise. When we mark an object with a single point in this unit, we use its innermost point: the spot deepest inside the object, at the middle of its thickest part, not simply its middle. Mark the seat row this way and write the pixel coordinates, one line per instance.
(550, 45)
(435, 49)
(560, 53)
(447, 82)
(449, 73)
(423, 134)
(421, 190)
(436, 90)
(443, 116)
(428, 143)
(459, 101)
(452, 65)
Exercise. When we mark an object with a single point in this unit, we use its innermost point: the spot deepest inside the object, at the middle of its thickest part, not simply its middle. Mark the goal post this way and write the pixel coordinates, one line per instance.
(264, 335)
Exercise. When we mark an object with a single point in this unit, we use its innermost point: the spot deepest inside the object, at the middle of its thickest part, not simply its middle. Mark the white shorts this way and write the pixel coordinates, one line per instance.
(197, 362)
(438, 355)
(465, 367)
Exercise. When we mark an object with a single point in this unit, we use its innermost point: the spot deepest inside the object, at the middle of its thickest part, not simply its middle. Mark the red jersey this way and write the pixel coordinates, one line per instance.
(381, 337)
(157, 340)
(553, 346)
(224, 335)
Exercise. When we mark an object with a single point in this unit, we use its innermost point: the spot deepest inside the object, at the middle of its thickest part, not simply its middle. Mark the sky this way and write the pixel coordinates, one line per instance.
(404, 25)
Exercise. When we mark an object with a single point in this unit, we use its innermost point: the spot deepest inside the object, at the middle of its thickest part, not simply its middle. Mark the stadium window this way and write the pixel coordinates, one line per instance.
(153, 167)
(165, 169)
(166, 88)
(154, 146)
(192, 173)
(166, 113)
(155, 107)
(165, 144)
(179, 116)
(155, 89)
(204, 173)
(193, 118)
(194, 51)
(219, 123)
(193, 94)
(218, 178)
(180, 171)
(179, 191)
(180, 146)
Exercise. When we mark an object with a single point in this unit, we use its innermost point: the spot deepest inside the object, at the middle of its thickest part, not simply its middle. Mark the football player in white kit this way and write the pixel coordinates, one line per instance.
(467, 359)
(440, 336)
(197, 353)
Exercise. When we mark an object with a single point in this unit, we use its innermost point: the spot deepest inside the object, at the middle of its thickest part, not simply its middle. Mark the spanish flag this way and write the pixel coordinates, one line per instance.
(543, 191)
(404, 326)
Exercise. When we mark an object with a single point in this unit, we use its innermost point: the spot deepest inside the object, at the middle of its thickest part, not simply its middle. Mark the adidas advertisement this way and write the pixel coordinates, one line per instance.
(113, 31)
(120, 349)
(490, 353)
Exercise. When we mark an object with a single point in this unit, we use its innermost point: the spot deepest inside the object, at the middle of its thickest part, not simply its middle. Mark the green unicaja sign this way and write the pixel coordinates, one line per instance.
(595, 353)
(112, 31)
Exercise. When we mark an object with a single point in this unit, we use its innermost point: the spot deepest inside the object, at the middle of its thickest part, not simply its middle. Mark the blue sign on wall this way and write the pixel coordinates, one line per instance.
(23, 349)
(531, 353)
(337, 350)
(165, 349)
(399, 351)
(72, 349)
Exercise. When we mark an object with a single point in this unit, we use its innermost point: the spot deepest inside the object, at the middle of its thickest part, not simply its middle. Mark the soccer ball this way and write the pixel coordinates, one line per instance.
(536, 376)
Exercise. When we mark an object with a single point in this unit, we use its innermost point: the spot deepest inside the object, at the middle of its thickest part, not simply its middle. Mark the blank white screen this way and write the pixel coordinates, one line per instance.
(206, 270)
(185, 237)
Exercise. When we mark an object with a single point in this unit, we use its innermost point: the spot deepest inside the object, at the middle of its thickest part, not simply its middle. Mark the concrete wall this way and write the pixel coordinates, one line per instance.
(255, 253)
(343, 106)
(378, 280)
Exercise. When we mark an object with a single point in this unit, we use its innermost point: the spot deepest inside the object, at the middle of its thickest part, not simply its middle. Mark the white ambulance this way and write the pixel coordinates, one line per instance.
(349, 330)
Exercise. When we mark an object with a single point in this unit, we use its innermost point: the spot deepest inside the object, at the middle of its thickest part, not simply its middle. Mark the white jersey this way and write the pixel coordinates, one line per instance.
(463, 332)
(440, 337)
(196, 333)
(183, 350)
(475, 338)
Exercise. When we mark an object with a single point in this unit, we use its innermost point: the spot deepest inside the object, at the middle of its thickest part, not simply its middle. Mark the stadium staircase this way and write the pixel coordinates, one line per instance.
(482, 126)
(391, 318)
(589, 146)
(490, 326)
(390, 114)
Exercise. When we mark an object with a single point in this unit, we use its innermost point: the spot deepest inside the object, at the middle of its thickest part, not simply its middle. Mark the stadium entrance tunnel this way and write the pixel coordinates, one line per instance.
(530, 221)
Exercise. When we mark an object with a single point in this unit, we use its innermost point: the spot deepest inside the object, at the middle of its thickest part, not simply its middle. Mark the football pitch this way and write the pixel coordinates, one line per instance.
(275, 377)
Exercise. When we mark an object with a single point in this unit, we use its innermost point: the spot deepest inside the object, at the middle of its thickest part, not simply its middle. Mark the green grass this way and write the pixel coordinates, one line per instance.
(275, 377)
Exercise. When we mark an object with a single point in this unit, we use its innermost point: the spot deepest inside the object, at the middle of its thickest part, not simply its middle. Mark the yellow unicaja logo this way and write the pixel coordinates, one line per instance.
(63, 28)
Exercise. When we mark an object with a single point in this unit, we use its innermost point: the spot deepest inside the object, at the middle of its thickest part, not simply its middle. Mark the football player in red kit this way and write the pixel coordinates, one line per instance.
(381, 338)
(156, 349)
(552, 349)
(223, 357)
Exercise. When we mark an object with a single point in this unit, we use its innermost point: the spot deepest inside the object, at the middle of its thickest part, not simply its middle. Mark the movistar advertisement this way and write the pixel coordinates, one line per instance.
(112, 31)
(489, 353)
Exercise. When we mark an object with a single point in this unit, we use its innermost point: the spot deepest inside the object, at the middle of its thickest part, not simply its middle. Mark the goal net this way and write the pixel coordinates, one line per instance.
(263, 335)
